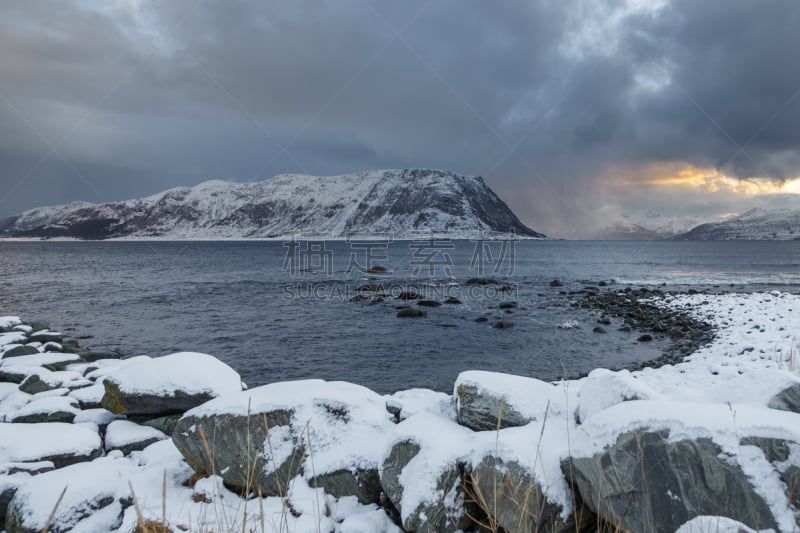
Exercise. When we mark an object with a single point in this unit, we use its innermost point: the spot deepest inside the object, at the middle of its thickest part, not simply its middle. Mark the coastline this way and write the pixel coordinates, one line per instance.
(726, 390)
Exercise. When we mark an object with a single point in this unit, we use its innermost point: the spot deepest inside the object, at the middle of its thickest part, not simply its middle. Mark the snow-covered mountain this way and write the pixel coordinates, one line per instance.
(756, 224)
(396, 202)
(641, 226)
(676, 226)
(623, 230)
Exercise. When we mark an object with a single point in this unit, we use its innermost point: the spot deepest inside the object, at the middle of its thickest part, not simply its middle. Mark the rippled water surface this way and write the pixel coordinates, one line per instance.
(272, 320)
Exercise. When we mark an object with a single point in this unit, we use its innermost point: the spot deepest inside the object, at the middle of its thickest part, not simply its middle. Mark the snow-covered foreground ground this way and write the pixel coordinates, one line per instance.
(672, 448)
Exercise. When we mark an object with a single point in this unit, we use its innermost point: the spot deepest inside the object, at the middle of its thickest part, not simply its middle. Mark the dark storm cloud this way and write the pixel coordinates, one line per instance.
(145, 96)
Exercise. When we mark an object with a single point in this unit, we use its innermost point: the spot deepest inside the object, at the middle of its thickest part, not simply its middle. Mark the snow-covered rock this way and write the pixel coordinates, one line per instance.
(127, 436)
(150, 388)
(332, 433)
(48, 360)
(422, 474)
(94, 496)
(603, 388)
(48, 409)
(61, 443)
(397, 202)
(646, 481)
(488, 400)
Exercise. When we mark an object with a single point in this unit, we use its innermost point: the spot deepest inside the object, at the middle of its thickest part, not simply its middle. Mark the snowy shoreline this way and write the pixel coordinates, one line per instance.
(717, 433)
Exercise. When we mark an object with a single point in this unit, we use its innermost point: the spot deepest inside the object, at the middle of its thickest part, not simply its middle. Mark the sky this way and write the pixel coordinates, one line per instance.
(577, 113)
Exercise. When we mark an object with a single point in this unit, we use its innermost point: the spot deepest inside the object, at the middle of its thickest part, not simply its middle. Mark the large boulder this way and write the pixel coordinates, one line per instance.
(487, 401)
(422, 474)
(513, 499)
(331, 433)
(645, 482)
(146, 388)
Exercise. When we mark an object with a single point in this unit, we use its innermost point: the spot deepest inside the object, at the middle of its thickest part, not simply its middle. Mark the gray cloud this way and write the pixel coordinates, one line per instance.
(174, 93)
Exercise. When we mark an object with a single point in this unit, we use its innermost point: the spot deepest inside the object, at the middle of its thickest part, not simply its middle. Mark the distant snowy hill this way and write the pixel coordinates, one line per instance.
(623, 230)
(396, 202)
(756, 224)
(647, 226)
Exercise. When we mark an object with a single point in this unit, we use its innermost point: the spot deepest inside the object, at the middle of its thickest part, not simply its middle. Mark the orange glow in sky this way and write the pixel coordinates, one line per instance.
(678, 176)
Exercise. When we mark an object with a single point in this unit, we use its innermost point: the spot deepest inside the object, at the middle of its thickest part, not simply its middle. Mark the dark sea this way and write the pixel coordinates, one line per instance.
(279, 311)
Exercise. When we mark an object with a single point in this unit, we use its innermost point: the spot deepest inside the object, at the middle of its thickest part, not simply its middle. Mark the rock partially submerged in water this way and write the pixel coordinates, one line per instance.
(172, 384)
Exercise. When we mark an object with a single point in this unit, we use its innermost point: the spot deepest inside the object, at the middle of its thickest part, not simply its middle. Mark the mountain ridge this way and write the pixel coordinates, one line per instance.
(755, 224)
(397, 203)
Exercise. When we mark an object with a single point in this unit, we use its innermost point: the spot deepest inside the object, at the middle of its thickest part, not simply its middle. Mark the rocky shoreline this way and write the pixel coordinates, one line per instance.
(635, 310)
(705, 439)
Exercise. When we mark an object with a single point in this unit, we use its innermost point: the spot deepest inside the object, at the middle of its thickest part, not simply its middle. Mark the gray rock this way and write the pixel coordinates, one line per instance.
(508, 493)
(291, 425)
(97, 355)
(503, 324)
(13, 375)
(70, 346)
(481, 281)
(775, 450)
(145, 405)
(481, 410)
(34, 384)
(787, 400)
(233, 447)
(644, 483)
(792, 479)
(20, 350)
(411, 313)
(128, 437)
(6, 494)
(165, 424)
(46, 336)
(102, 485)
(446, 515)
(48, 416)
(363, 484)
